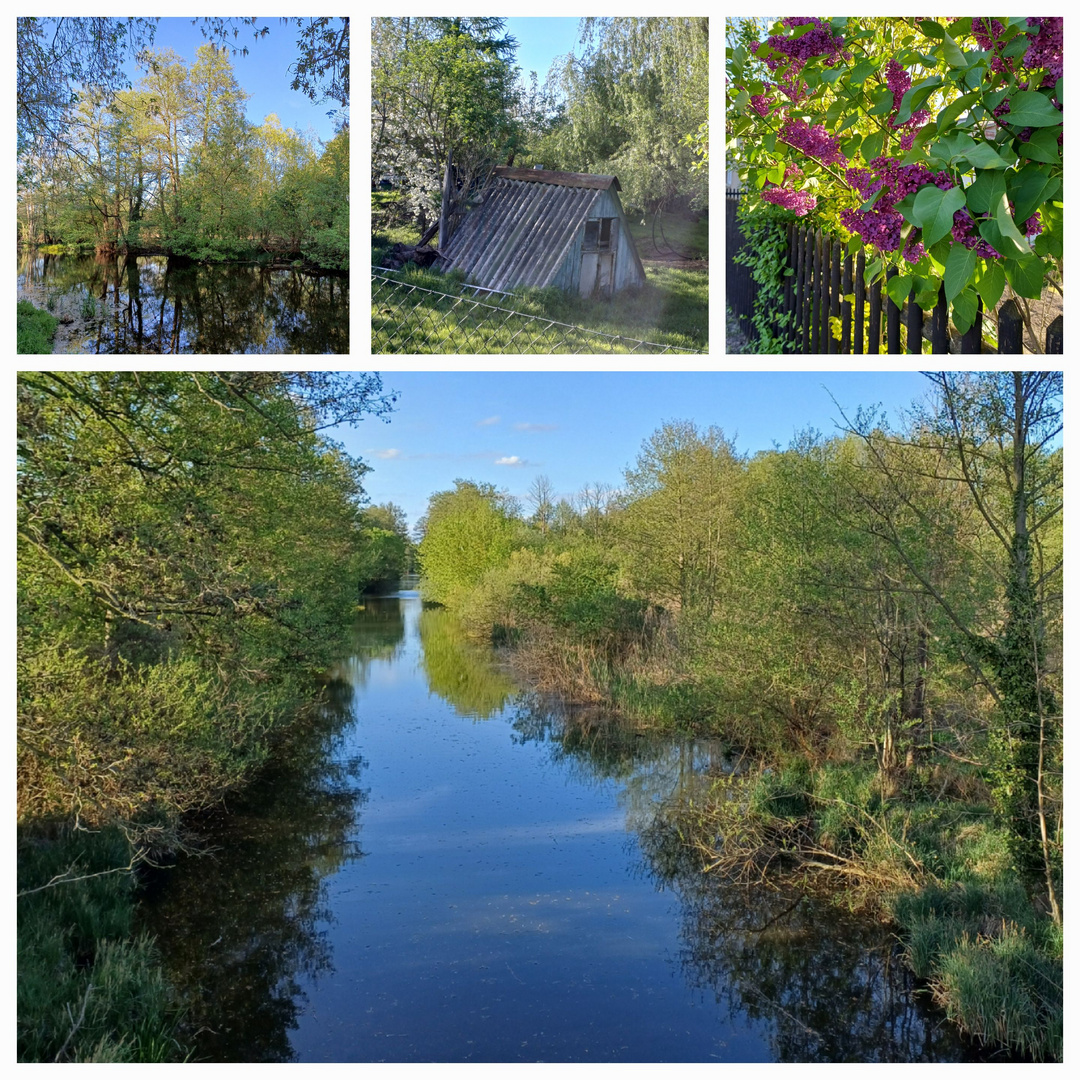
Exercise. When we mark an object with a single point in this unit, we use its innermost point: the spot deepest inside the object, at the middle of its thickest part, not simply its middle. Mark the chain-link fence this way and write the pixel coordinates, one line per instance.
(411, 318)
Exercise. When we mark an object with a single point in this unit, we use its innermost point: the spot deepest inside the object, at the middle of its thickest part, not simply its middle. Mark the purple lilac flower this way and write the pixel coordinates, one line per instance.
(798, 201)
(814, 141)
(913, 250)
(964, 232)
(1033, 226)
(898, 81)
(1047, 48)
(817, 42)
(761, 104)
(878, 227)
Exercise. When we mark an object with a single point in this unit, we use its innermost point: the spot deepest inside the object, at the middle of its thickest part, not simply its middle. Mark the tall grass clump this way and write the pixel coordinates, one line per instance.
(992, 962)
(88, 990)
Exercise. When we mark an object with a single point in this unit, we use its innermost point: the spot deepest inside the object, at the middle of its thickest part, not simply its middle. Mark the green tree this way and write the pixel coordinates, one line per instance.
(186, 543)
(467, 531)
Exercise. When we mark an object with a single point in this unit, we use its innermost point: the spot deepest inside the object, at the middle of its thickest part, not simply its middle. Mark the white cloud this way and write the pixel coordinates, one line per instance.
(488, 422)
(535, 427)
(387, 455)
(512, 460)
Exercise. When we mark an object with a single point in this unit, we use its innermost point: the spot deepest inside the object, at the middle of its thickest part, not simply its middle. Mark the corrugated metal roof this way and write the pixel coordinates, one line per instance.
(522, 230)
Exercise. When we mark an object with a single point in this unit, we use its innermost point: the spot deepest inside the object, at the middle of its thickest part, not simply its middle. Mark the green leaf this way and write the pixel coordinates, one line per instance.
(849, 146)
(959, 270)
(775, 176)
(861, 72)
(898, 289)
(933, 211)
(1030, 188)
(1009, 231)
(984, 156)
(868, 205)
(951, 53)
(948, 115)
(882, 102)
(873, 270)
(965, 308)
(835, 111)
(932, 29)
(986, 191)
(1029, 108)
(871, 146)
(991, 284)
(1026, 276)
(1042, 146)
(916, 97)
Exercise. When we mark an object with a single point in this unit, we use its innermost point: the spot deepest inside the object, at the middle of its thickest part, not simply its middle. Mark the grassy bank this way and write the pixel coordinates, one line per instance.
(35, 328)
(920, 847)
(88, 989)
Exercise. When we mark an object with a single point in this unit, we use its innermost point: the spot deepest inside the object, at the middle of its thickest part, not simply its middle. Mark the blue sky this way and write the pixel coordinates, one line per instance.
(506, 428)
(263, 73)
(540, 40)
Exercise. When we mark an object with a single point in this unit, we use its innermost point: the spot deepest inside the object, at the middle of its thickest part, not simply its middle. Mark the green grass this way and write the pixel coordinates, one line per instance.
(670, 310)
(89, 989)
(35, 328)
(673, 232)
(993, 962)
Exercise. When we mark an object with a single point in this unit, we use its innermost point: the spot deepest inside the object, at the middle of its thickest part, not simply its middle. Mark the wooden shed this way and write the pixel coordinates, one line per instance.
(539, 227)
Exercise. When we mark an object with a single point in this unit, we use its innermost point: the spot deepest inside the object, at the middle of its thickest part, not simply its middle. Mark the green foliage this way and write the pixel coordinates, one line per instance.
(765, 254)
(188, 548)
(34, 328)
(467, 531)
(1003, 169)
(88, 989)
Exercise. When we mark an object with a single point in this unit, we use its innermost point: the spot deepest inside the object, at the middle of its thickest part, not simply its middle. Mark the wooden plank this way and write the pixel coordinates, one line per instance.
(860, 300)
(566, 179)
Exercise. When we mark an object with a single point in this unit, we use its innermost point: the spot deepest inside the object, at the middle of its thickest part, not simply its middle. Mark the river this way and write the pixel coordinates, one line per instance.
(155, 305)
(444, 867)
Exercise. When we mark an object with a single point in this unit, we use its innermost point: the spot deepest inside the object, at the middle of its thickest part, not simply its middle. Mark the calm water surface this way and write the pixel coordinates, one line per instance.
(150, 304)
(443, 868)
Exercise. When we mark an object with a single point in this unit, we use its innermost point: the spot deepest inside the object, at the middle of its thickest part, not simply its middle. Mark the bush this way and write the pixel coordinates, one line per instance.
(35, 329)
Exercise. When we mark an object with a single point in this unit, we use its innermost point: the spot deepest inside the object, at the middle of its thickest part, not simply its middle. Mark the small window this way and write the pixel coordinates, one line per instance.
(599, 234)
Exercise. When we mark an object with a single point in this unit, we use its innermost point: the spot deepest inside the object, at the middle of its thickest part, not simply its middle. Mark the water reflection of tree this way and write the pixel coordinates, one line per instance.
(461, 674)
(239, 927)
(159, 305)
(378, 634)
(828, 986)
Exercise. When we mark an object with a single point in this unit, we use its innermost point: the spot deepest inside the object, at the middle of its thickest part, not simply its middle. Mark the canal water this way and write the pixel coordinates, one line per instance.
(442, 867)
(151, 304)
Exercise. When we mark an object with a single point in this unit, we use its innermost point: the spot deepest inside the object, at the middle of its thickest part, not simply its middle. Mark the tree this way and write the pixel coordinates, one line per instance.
(680, 502)
(439, 87)
(998, 430)
(186, 546)
(467, 531)
(541, 497)
(635, 97)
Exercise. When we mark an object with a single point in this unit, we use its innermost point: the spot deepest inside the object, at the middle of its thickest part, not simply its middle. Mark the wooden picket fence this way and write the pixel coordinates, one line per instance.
(814, 296)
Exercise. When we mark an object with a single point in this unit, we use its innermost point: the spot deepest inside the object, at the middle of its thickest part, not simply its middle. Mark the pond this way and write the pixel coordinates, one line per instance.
(154, 304)
(443, 867)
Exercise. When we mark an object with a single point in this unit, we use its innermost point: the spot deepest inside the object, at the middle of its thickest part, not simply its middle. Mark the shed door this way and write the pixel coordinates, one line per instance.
(598, 257)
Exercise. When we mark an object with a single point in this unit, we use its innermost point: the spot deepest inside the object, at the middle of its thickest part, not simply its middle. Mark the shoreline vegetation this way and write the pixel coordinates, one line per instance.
(872, 621)
(175, 616)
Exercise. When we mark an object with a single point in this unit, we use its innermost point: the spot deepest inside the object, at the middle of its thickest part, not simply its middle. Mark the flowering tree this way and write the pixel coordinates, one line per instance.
(934, 143)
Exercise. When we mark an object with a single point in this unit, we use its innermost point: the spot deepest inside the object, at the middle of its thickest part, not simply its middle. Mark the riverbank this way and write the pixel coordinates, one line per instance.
(916, 845)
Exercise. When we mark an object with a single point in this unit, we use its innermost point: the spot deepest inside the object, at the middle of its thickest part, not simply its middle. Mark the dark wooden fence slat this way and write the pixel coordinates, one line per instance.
(914, 325)
(971, 342)
(1054, 336)
(860, 299)
(807, 270)
(1010, 328)
(834, 293)
(845, 308)
(874, 345)
(939, 326)
(892, 317)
